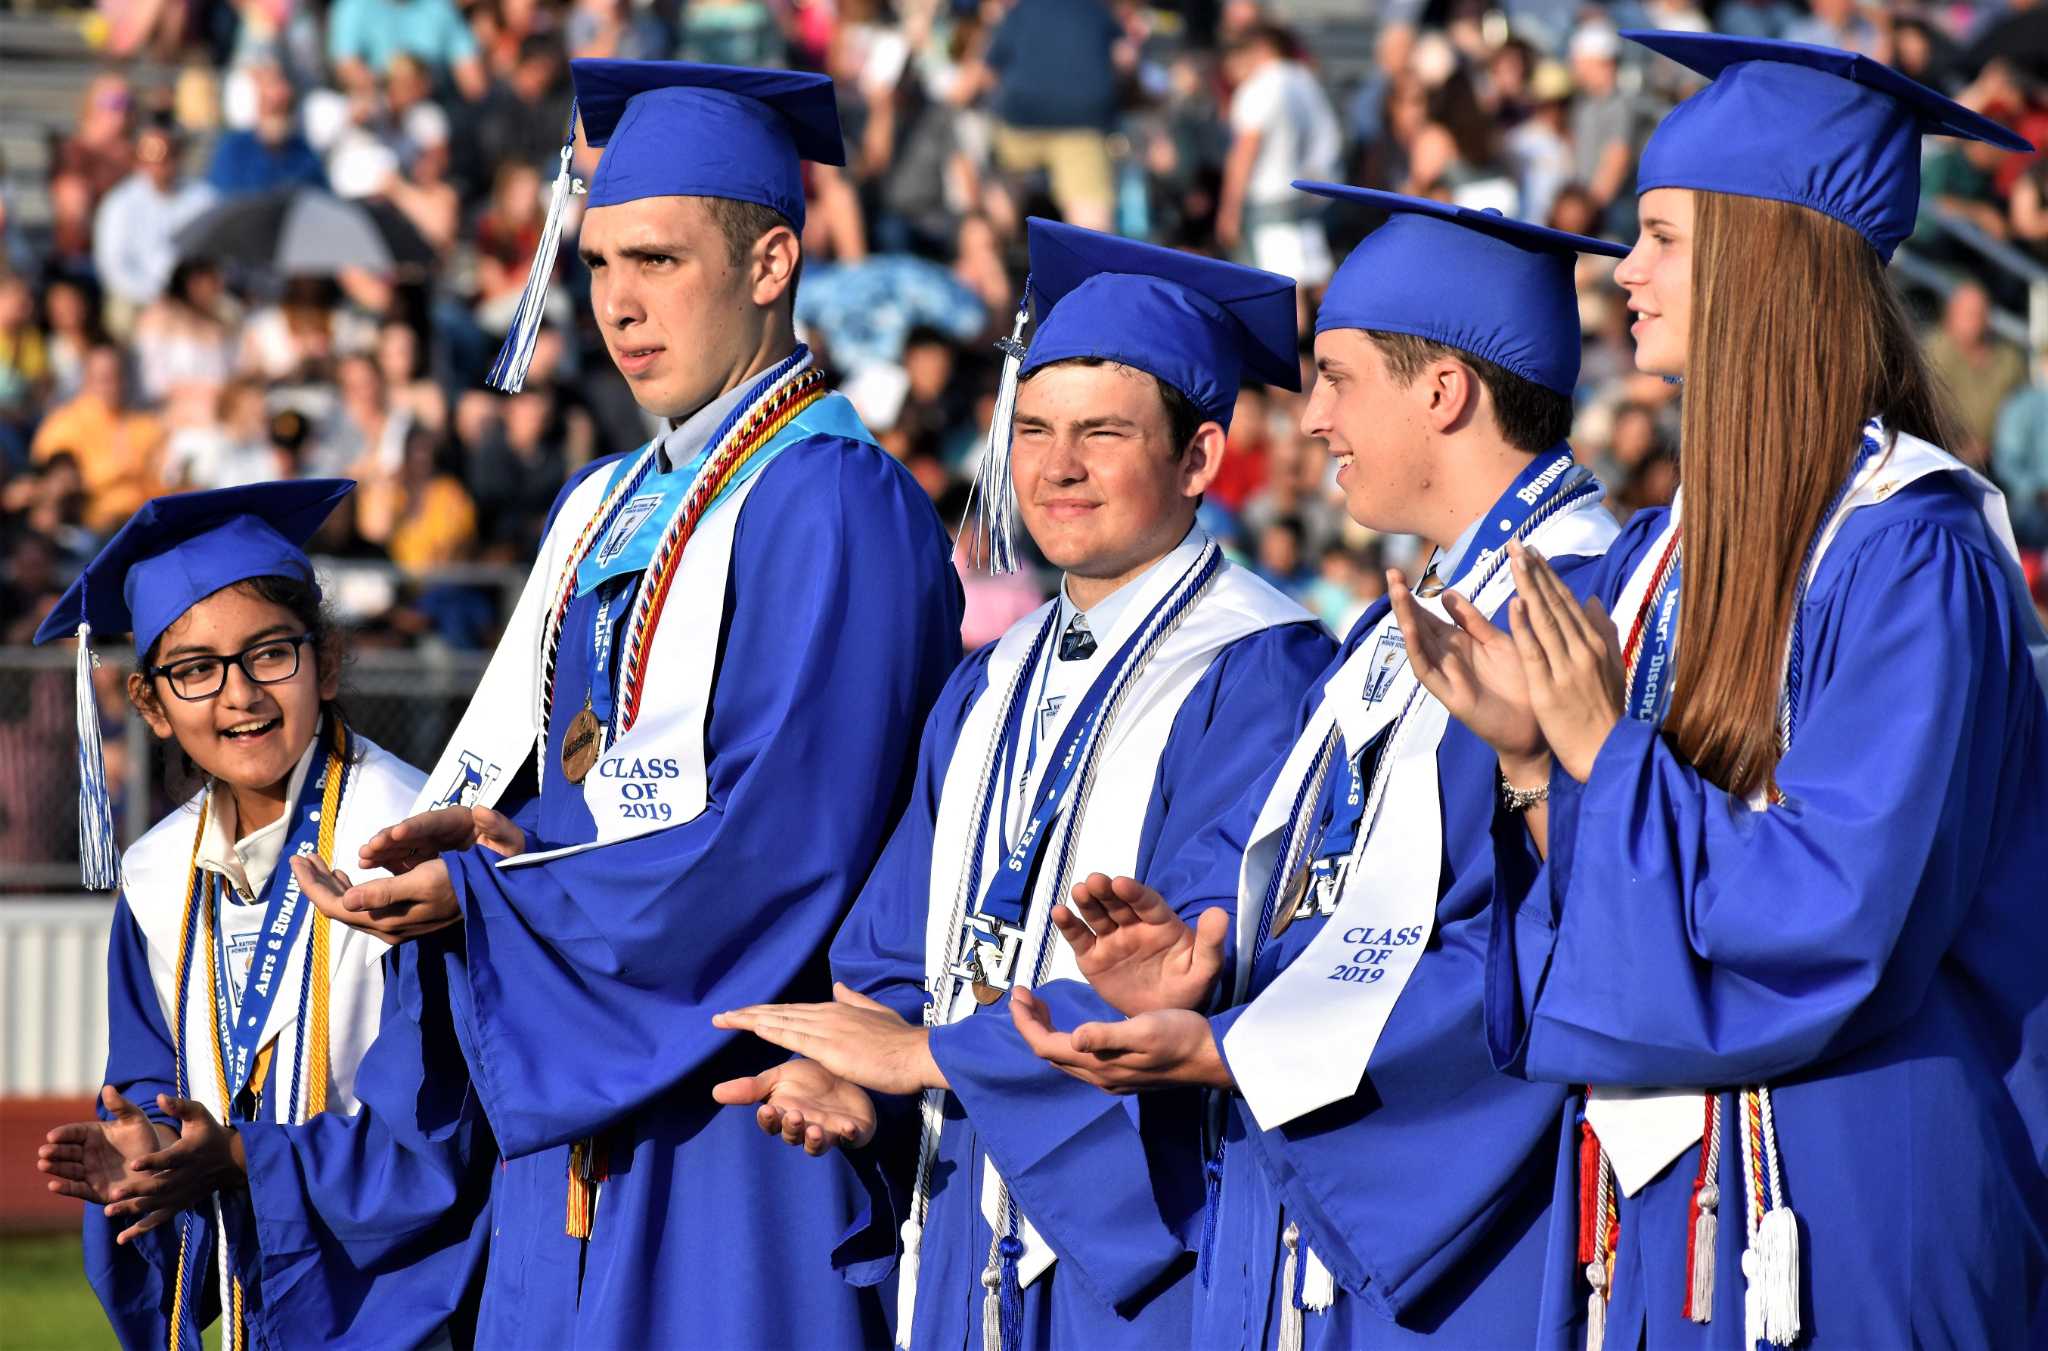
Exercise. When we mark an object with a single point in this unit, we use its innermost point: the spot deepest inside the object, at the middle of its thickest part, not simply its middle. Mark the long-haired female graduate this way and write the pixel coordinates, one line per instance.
(234, 1009)
(1791, 925)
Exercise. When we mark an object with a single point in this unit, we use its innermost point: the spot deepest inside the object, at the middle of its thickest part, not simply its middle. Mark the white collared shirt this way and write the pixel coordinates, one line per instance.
(247, 863)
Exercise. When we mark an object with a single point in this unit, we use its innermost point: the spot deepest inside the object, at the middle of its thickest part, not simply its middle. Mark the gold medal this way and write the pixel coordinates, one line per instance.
(984, 993)
(580, 744)
(1290, 902)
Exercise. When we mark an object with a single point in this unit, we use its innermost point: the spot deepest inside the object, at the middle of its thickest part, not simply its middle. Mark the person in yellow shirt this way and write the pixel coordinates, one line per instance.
(119, 448)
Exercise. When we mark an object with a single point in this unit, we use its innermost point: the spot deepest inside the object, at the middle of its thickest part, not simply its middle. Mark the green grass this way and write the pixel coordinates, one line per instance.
(45, 1304)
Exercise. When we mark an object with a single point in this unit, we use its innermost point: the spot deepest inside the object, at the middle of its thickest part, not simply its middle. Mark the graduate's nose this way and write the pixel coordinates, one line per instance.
(1063, 462)
(238, 691)
(621, 308)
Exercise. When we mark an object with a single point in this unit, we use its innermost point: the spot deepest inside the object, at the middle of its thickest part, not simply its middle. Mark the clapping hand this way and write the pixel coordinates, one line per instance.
(1571, 656)
(1475, 671)
(1137, 953)
(803, 1103)
(140, 1171)
(1162, 1049)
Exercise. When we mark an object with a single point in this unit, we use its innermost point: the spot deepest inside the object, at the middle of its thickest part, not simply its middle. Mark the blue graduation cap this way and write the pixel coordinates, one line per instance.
(1824, 129)
(173, 553)
(1197, 323)
(679, 129)
(1481, 282)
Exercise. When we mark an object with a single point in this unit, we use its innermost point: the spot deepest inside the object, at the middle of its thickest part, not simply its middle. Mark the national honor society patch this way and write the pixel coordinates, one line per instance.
(1388, 654)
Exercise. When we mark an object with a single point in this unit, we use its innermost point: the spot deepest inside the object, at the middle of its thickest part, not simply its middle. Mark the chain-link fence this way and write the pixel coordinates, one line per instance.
(406, 701)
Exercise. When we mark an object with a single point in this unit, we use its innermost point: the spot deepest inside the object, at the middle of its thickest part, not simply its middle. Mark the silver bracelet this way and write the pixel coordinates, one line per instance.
(1516, 800)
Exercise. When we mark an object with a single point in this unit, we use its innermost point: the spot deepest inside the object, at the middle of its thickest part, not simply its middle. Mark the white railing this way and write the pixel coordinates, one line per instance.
(53, 995)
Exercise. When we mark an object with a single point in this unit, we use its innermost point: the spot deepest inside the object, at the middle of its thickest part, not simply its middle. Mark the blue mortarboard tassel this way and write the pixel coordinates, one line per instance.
(992, 501)
(508, 372)
(99, 861)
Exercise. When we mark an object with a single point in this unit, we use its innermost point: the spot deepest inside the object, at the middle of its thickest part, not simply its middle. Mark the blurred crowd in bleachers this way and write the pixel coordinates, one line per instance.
(141, 351)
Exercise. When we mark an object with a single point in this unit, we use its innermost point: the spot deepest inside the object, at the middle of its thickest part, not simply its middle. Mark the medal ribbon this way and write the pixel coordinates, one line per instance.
(240, 1030)
(1545, 486)
(1006, 1247)
(202, 888)
(1005, 898)
(784, 392)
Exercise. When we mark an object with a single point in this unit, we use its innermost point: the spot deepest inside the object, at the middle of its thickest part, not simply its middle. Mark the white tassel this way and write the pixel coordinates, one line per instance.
(1777, 1281)
(508, 372)
(992, 1307)
(1777, 1238)
(1318, 1286)
(993, 492)
(906, 1281)
(1290, 1311)
(1705, 1233)
(1596, 1306)
(1752, 1298)
(99, 862)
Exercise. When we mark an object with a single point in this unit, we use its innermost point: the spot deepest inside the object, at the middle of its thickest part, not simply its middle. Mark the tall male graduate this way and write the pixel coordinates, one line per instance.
(716, 672)
(1100, 734)
(1380, 1184)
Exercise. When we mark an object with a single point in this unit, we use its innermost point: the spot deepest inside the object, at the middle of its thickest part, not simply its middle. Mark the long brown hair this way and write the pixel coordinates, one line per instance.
(1796, 340)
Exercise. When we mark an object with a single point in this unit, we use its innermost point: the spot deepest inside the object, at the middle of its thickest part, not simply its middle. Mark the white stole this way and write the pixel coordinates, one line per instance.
(1237, 605)
(1645, 1129)
(155, 873)
(661, 758)
(1307, 1038)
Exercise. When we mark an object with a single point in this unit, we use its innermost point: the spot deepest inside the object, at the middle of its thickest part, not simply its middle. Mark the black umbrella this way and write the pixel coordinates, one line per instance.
(303, 232)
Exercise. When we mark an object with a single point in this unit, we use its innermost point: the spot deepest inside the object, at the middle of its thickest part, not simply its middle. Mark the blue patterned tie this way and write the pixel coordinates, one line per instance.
(1077, 644)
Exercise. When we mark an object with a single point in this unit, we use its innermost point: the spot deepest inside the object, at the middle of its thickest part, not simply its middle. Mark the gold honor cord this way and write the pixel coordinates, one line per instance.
(313, 1049)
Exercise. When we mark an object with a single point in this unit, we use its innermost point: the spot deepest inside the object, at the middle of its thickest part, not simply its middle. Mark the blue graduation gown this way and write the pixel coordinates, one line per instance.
(1110, 1183)
(1875, 949)
(584, 997)
(1424, 1191)
(358, 1230)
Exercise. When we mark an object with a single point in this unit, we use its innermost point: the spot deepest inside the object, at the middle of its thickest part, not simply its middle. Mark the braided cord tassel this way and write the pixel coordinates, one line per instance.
(1706, 1201)
(1777, 1237)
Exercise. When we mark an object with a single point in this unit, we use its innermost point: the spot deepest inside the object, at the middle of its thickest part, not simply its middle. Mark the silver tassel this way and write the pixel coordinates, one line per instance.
(994, 493)
(99, 862)
(1290, 1311)
(1705, 1233)
(1596, 1305)
(508, 372)
(992, 1306)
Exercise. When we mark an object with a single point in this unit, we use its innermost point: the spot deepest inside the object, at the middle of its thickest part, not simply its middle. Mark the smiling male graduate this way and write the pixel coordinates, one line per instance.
(1097, 736)
(702, 717)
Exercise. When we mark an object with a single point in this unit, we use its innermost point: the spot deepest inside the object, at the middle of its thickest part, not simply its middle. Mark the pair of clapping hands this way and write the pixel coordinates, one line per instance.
(145, 1172)
(1550, 687)
(1138, 954)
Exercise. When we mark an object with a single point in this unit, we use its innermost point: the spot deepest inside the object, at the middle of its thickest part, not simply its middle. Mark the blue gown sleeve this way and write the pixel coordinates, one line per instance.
(879, 951)
(1676, 937)
(589, 980)
(370, 1227)
(135, 1282)
(1112, 1184)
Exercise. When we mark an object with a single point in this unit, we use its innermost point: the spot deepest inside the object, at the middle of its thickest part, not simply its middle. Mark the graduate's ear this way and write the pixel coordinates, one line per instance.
(1202, 461)
(1451, 389)
(142, 694)
(774, 263)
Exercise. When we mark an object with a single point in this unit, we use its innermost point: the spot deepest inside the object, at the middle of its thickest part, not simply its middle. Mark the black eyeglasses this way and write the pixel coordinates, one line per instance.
(266, 663)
